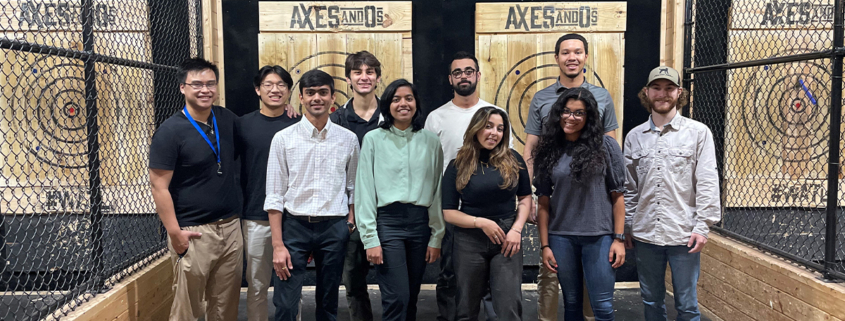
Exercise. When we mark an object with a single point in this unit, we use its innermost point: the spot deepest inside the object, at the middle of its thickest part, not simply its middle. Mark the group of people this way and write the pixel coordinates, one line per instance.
(372, 183)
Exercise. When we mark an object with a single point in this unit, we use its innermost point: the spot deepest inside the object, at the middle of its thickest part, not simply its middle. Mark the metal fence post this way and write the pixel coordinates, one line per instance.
(93, 128)
(833, 158)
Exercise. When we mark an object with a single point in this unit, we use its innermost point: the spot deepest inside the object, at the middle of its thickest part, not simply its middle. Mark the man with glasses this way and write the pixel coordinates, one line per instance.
(450, 122)
(254, 132)
(192, 174)
(571, 56)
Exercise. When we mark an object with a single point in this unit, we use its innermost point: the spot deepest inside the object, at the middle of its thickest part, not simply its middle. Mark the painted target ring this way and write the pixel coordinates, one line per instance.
(784, 107)
(52, 97)
(295, 70)
(521, 88)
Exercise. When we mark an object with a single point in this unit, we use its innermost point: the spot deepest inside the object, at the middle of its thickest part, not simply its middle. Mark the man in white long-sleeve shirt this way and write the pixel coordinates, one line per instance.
(310, 182)
(672, 196)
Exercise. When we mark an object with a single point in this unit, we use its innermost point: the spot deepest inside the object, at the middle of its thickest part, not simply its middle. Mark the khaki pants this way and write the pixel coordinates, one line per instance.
(207, 278)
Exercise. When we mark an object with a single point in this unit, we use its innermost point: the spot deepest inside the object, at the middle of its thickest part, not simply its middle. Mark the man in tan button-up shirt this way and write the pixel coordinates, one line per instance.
(672, 195)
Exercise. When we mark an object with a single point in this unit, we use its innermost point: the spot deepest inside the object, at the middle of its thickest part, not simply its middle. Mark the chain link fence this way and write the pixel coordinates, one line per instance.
(84, 85)
(766, 77)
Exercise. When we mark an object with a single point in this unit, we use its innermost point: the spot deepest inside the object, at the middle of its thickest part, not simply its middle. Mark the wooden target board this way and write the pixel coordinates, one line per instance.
(515, 49)
(777, 120)
(43, 123)
(301, 36)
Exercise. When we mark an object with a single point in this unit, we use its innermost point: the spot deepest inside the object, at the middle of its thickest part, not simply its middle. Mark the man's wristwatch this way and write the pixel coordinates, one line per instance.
(351, 226)
(620, 237)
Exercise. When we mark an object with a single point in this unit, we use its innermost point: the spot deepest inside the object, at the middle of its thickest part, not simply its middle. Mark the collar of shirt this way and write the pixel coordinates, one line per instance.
(560, 88)
(675, 124)
(352, 116)
(402, 133)
(312, 131)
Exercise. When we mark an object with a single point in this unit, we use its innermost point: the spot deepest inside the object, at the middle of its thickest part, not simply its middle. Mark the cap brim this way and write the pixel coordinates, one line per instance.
(669, 78)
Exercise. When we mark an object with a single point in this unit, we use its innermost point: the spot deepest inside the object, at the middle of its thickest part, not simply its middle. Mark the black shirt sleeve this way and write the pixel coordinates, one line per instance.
(524, 187)
(614, 177)
(450, 195)
(164, 149)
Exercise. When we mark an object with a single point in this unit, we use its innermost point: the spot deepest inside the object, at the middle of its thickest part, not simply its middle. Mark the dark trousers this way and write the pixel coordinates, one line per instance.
(446, 287)
(326, 240)
(479, 265)
(404, 234)
(355, 269)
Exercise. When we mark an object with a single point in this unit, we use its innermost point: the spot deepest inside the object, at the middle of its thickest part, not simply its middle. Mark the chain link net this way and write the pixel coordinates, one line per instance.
(84, 85)
(762, 77)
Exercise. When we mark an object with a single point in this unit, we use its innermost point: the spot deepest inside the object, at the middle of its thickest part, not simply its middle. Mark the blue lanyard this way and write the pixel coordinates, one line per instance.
(204, 136)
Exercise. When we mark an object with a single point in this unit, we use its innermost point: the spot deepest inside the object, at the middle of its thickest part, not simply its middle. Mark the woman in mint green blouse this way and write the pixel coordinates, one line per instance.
(397, 200)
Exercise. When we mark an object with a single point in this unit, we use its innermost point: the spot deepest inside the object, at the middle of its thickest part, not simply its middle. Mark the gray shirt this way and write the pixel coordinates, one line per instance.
(543, 100)
(583, 208)
(672, 182)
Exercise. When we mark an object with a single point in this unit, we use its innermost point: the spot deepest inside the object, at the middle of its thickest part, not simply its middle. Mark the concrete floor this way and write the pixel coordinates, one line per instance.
(627, 303)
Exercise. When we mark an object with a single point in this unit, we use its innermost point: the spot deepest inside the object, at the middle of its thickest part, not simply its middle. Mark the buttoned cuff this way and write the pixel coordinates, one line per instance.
(701, 229)
(370, 241)
(435, 241)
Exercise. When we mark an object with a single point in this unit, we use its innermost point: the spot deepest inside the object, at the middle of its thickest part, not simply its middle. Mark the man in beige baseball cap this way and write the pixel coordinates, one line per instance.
(671, 196)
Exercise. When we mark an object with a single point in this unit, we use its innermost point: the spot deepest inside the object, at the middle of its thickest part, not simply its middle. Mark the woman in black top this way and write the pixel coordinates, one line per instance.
(480, 189)
(580, 178)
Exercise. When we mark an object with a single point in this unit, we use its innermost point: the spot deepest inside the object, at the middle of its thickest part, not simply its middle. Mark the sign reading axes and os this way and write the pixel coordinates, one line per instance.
(335, 16)
(551, 17)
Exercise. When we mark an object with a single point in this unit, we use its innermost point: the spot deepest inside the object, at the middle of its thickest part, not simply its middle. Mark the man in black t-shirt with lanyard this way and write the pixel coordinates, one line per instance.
(254, 132)
(192, 174)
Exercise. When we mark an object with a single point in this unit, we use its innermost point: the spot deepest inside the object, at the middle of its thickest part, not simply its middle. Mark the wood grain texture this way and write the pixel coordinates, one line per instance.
(326, 16)
(556, 17)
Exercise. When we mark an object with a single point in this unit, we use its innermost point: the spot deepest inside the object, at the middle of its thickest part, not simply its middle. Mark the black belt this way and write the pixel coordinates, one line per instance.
(312, 219)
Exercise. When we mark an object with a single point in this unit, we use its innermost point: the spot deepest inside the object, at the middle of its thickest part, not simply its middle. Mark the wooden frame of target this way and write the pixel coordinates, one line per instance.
(301, 36)
(777, 120)
(43, 134)
(515, 49)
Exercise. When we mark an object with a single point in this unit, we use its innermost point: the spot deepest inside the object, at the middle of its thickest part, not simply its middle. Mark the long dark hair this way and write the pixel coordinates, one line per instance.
(387, 99)
(588, 154)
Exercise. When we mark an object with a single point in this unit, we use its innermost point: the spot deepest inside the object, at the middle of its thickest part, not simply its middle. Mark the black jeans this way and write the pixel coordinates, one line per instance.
(327, 241)
(403, 232)
(479, 264)
(446, 287)
(355, 269)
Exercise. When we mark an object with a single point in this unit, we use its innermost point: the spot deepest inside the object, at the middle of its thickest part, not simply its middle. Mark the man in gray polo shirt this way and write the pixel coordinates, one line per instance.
(571, 55)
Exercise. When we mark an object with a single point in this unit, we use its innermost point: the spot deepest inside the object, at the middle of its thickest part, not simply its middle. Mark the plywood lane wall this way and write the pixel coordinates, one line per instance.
(515, 48)
(43, 168)
(300, 36)
(777, 115)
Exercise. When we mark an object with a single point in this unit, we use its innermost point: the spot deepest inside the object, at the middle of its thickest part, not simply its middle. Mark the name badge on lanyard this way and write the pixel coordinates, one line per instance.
(204, 136)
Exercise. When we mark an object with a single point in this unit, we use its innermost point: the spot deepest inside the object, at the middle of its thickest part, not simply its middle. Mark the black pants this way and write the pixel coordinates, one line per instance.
(479, 264)
(355, 269)
(403, 232)
(327, 241)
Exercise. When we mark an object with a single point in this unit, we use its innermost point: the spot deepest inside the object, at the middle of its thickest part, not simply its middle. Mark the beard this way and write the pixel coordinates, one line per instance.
(663, 110)
(465, 91)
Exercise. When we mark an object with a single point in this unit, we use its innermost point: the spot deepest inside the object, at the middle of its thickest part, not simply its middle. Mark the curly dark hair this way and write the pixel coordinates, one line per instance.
(588, 154)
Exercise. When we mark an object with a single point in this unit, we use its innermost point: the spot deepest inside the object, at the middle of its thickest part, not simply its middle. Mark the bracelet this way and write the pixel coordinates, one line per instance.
(544, 247)
(518, 232)
(473, 222)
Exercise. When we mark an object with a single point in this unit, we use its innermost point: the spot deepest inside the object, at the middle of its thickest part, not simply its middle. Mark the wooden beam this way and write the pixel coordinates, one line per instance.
(324, 16)
(555, 17)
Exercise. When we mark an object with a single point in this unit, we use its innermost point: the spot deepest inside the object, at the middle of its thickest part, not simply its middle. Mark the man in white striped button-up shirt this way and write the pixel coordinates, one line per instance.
(672, 196)
(310, 182)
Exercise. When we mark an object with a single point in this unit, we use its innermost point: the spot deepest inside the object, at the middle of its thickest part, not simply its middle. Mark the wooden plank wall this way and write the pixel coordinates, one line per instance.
(516, 63)
(738, 283)
(43, 123)
(303, 36)
(777, 115)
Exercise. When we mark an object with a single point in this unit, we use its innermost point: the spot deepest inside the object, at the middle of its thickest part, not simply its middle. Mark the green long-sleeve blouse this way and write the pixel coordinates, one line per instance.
(398, 166)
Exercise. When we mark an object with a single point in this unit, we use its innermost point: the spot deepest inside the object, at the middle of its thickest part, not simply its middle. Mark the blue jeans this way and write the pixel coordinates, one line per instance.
(327, 241)
(651, 267)
(585, 256)
(403, 232)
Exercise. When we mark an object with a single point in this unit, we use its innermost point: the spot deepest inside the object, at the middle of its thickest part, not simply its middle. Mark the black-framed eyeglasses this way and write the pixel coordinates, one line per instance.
(468, 72)
(578, 114)
(269, 85)
(211, 85)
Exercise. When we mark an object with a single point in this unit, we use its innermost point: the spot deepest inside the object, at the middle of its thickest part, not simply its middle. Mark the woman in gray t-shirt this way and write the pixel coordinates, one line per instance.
(580, 180)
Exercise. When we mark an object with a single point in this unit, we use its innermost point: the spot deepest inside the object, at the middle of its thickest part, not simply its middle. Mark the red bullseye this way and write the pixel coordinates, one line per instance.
(71, 110)
(797, 105)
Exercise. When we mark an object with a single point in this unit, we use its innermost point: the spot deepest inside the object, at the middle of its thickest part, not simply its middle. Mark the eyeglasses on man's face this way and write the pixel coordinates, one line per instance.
(211, 85)
(468, 72)
(269, 85)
